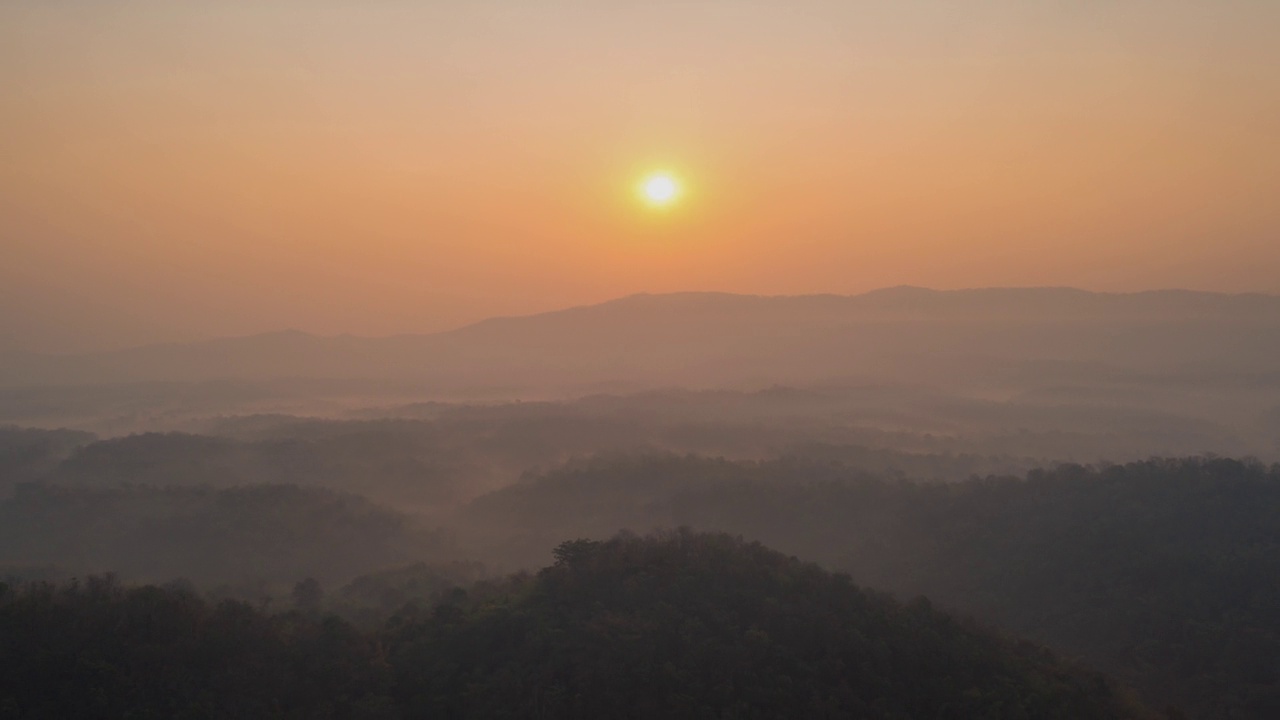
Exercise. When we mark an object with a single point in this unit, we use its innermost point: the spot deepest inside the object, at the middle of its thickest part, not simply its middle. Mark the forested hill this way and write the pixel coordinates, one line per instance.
(237, 535)
(1164, 573)
(681, 626)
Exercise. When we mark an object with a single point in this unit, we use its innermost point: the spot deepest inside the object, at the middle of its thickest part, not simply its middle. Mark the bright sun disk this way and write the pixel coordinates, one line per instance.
(661, 189)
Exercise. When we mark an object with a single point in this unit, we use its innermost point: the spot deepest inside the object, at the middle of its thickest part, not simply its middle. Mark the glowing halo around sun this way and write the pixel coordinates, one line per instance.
(660, 190)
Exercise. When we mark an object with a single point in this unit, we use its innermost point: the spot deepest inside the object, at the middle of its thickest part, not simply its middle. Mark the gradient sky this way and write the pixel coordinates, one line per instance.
(174, 169)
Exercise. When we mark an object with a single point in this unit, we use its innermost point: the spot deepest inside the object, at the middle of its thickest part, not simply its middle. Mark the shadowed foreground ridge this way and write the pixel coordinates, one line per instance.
(1164, 574)
(676, 626)
(705, 626)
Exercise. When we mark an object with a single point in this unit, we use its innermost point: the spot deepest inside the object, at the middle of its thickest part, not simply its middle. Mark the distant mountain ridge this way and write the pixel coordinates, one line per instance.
(708, 339)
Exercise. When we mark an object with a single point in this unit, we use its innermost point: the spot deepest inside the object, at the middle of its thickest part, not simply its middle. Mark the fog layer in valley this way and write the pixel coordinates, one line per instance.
(996, 452)
(1080, 375)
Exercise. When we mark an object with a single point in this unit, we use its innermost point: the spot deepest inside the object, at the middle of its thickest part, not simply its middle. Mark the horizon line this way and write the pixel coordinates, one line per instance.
(298, 332)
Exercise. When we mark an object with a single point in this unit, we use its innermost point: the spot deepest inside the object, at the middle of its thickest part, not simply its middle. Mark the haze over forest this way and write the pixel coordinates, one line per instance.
(551, 359)
(990, 450)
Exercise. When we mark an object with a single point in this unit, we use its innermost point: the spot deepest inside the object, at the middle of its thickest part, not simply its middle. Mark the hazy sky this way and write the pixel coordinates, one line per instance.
(176, 169)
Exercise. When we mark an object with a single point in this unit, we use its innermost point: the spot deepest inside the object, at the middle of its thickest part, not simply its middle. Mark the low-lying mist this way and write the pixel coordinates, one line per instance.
(996, 452)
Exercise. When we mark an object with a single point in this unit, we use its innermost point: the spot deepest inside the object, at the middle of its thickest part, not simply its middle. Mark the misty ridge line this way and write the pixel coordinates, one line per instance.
(721, 340)
(899, 298)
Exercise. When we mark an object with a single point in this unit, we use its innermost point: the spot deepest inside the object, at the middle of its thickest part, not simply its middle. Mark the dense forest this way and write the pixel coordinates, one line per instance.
(213, 536)
(678, 626)
(451, 454)
(1165, 574)
(29, 454)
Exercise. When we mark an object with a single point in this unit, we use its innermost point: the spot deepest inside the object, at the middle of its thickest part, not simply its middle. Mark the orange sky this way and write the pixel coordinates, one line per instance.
(179, 169)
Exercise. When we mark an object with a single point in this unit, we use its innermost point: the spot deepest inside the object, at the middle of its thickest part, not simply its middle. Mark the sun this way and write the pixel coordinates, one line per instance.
(660, 189)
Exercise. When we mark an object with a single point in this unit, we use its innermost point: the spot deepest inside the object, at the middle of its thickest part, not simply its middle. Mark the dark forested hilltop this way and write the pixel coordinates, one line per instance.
(681, 626)
(1165, 572)
(693, 626)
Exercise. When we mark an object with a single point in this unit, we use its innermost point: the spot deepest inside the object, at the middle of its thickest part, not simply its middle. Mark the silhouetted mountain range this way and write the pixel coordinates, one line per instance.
(723, 340)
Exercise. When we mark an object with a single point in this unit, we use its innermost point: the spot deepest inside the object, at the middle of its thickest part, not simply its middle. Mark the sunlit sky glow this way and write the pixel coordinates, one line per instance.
(182, 169)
